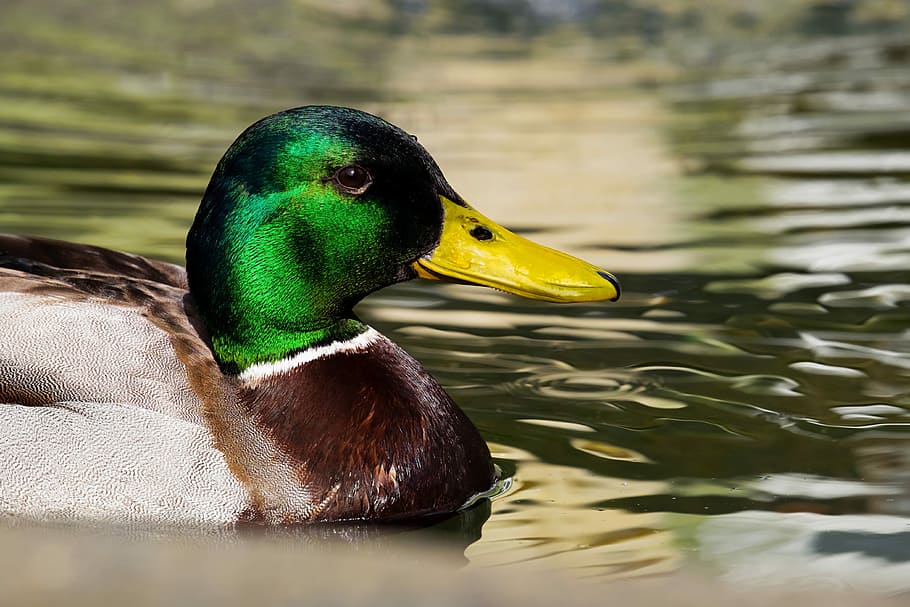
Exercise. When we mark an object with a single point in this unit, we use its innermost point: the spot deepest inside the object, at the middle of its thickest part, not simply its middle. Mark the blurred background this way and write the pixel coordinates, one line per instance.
(743, 167)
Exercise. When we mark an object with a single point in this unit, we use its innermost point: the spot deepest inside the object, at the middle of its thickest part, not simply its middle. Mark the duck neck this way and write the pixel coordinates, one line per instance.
(256, 316)
(257, 341)
(272, 345)
(267, 293)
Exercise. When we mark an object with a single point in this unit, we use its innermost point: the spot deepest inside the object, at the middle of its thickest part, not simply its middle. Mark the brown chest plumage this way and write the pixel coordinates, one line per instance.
(371, 435)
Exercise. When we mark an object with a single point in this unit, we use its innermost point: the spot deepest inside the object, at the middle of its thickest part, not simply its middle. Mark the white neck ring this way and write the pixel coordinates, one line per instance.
(260, 371)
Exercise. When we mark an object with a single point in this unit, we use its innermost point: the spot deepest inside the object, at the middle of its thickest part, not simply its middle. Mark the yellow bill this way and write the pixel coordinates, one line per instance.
(476, 250)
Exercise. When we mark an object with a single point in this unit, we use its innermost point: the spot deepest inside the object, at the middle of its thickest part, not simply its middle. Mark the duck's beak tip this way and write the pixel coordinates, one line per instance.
(613, 281)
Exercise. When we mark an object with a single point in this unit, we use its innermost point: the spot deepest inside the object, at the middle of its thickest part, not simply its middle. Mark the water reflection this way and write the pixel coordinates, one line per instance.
(745, 405)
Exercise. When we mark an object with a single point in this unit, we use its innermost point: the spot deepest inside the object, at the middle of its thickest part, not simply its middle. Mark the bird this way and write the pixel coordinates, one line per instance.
(242, 388)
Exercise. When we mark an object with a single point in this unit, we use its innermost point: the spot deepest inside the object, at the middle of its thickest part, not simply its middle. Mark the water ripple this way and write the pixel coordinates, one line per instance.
(827, 370)
(776, 286)
(575, 384)
(879, 297)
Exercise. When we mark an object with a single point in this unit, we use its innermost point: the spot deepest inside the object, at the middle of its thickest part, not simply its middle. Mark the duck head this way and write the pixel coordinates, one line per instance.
(313, 208)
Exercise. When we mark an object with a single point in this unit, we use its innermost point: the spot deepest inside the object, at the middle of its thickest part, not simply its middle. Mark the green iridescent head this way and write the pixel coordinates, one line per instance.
(308, 211)
(313, 208)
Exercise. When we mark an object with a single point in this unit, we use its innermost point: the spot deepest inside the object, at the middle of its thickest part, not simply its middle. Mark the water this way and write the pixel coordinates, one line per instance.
(744, 407)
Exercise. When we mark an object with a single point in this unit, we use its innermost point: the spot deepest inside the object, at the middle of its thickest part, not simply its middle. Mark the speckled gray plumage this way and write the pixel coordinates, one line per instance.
(111, 405)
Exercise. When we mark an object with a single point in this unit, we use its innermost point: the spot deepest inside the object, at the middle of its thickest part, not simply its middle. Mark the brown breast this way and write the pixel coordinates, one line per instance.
(372, 435)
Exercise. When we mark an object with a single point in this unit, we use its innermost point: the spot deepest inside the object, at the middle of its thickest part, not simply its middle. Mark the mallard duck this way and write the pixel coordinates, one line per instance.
(243, 389)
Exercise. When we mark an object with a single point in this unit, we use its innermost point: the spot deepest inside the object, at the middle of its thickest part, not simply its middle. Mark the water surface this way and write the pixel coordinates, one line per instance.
(744, 407)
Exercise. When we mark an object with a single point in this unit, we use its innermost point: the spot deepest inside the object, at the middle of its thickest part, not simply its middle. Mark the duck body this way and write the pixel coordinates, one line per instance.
(145, 426)
(244, 389)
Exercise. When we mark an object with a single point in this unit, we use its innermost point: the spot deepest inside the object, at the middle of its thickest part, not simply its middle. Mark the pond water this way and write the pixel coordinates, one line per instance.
(745, 407)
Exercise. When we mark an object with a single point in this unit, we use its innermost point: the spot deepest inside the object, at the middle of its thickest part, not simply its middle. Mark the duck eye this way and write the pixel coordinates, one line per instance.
(352, 179)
